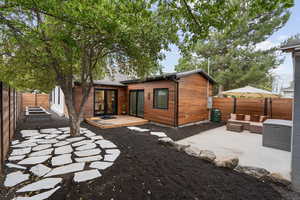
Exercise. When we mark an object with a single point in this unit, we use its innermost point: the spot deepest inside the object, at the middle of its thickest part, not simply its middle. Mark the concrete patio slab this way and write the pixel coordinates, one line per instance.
(245, 145)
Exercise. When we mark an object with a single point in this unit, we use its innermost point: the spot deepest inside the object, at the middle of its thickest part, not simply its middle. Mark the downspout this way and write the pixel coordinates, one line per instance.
(176, 99)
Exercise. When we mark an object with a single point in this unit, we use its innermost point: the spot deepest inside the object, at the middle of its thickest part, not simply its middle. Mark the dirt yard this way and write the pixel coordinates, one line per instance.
(147, 170)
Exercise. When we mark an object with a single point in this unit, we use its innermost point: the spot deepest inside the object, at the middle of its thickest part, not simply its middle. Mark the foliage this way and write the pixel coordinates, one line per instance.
(234, 59)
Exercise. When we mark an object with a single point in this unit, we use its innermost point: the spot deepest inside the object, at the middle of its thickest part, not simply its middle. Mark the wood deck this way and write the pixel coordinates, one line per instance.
(119, 121)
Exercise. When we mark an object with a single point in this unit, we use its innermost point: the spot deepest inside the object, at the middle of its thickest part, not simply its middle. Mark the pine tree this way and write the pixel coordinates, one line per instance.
(233, 57)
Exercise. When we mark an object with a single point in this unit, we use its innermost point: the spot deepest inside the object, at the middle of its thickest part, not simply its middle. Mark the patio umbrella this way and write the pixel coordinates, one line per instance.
(249, 91)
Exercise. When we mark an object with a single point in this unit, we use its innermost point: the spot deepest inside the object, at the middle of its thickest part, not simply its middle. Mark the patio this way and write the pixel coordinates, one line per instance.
(246, 146)
(115, 121)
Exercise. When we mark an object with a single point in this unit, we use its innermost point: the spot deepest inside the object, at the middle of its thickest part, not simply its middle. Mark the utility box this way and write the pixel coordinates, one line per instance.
(209, 102)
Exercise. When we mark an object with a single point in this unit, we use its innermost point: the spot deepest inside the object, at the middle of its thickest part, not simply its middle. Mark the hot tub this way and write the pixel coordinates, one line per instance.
(277, 134)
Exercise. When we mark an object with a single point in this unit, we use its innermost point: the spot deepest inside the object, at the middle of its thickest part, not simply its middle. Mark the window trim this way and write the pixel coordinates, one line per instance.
(155, 106)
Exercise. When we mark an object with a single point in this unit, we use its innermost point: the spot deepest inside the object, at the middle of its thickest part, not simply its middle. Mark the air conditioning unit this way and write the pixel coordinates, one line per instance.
(209, 102)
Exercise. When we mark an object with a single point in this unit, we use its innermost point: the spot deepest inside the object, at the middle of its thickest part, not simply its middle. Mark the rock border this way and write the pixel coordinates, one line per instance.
(230, 162)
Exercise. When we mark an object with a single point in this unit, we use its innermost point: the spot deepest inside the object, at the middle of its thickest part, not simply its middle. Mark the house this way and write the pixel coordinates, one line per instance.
(172, 99)
(288, 92)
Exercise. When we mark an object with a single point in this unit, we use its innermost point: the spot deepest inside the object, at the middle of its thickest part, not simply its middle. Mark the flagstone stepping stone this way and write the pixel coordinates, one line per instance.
(105, 144)
(86, 175)
(101, 165)
(64, 128)
(41, 147)
(34, 160)
(11, 165)
(74, 167)
(15, 178)
(41, 196)
(89, 152)
(62, 143)
(61, 160)
(42, 153)
(88, 159)
(51, 136)
(18, 152)
(48, 130)
(111, 157)
(63, 149)
(138, 129)
(33, 140)
(75, 139)
(76, 144)
(40, 170)
(25, 144)
(89, 134)
(14, 158)
(97, 137)
(49, 141)
(37, 136)
(86, 147)
(57, 132)
(47, 183)
(29, 133)
(112, 151)
(61, 137)
(159, 134)
(15, 142)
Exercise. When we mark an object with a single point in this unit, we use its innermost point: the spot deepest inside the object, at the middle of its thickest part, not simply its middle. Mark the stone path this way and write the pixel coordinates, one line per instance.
(44, 156)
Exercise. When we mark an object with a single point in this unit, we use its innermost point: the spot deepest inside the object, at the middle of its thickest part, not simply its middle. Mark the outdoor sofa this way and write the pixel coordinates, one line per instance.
(252, 123)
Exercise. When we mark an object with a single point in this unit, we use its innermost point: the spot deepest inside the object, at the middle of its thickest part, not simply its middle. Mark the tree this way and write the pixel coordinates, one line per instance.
(52, 42)
(48, 43)
(233, 57)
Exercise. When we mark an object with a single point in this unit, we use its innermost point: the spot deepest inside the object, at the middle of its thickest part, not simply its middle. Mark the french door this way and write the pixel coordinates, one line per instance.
(136, 103)
(105, 102)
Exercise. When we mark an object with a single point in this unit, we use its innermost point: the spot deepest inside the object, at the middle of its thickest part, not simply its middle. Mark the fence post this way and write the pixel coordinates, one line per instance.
(266, 107)
(9, 113)
(1, 125)
(234, 105)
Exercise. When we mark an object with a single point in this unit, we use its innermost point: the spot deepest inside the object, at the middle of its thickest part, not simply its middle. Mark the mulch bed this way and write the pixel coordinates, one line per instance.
(146, 170)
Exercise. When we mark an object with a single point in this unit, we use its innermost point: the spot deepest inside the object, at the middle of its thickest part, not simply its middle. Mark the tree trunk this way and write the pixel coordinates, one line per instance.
(74, 116)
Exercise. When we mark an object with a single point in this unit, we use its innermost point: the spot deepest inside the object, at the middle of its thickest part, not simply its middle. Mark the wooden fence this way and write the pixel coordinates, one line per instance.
(275, 108)
(29, 99)
(10, 112)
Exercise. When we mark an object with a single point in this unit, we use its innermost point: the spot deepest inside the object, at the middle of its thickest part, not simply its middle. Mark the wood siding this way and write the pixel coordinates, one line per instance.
(192, 99)
(163, 116)
(88, 110)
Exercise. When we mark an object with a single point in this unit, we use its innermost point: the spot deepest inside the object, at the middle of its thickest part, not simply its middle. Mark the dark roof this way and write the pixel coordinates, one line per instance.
(291, 45)
(108, 83)
(171, 76)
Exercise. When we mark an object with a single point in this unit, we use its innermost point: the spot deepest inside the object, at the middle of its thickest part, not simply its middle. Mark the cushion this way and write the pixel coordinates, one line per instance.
(262, 118)
(240, 117)
(247, 117)
(233, 116)
(254, 118)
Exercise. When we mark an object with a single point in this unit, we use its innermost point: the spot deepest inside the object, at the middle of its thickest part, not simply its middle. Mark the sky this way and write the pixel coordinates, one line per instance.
(284, 72)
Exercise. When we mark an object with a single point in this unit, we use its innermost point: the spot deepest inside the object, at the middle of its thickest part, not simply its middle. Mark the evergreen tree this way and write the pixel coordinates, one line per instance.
(233, 57)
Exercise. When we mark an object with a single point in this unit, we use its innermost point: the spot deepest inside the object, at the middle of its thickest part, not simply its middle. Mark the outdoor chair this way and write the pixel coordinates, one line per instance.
(253, 123)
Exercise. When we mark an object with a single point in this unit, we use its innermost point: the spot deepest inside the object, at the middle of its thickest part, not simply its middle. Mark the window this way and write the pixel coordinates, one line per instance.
(161, 98)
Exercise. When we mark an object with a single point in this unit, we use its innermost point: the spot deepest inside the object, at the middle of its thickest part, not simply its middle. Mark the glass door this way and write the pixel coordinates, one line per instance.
(136, 103)
(111, 102)
(105, 102)
(99, 103)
